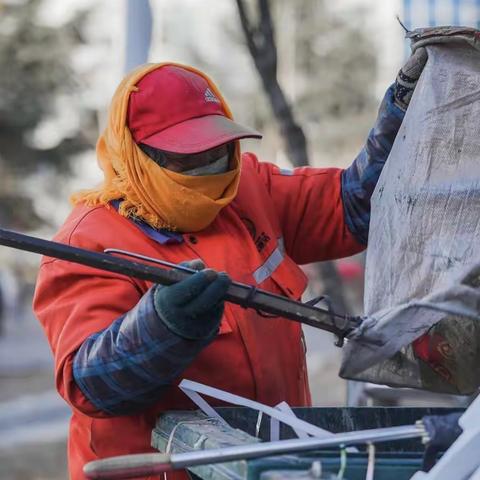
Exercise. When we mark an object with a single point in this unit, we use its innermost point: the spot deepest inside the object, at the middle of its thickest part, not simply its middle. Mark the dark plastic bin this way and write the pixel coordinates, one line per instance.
(397, 460)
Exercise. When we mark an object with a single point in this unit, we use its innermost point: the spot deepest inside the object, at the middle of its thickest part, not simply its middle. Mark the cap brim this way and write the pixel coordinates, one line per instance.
(199, 134)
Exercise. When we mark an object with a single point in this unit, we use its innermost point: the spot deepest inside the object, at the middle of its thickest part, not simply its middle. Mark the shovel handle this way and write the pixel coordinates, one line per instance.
(128, 466)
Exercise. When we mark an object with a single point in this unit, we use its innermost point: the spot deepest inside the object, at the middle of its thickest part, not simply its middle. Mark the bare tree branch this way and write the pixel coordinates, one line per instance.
(261, 44)
(268, 34)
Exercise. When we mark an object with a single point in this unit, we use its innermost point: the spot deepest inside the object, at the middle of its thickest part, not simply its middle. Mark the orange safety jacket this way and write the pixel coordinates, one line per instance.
(278, 220)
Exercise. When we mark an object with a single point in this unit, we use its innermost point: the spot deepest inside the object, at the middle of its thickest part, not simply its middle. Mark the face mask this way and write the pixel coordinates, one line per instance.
(218, 166)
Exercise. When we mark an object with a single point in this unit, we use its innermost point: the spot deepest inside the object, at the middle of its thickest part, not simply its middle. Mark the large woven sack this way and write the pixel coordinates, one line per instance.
(423, 258)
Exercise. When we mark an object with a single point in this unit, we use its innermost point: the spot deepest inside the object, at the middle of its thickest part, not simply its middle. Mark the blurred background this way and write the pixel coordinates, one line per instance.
(59, 65)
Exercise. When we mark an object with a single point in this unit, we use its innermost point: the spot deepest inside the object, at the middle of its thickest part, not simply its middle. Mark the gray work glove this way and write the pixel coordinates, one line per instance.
(407, 78)
(193, 308)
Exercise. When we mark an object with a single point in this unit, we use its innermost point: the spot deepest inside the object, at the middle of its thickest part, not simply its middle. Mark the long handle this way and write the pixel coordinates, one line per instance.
(150, 464)
(238, 293)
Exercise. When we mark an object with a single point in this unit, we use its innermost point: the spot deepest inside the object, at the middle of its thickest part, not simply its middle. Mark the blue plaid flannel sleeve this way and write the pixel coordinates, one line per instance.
(360, 179)
(130, 364)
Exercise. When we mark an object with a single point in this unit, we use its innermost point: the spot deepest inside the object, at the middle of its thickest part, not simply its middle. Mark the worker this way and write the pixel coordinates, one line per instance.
(177, 187)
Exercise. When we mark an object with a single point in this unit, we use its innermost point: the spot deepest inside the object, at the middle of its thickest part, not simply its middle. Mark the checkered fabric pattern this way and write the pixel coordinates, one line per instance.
(360, 179)
(127, 366)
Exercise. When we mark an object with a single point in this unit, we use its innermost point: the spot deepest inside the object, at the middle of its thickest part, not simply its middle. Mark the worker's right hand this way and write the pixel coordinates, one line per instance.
(408, 76)
(193, 308)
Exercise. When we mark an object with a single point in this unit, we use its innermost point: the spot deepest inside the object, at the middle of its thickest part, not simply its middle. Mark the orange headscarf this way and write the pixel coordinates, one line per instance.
(161, 197)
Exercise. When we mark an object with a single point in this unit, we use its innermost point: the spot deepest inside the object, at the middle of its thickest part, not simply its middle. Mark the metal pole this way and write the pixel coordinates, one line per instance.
(432, 13)
(139, 32)
(238, 293)
(140, 465)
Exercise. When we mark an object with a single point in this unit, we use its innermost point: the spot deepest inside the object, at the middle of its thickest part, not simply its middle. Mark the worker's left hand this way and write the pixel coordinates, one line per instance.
(193, 307)
(407, 78)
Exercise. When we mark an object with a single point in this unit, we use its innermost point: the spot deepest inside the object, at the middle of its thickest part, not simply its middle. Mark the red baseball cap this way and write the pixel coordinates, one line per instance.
(176, 110)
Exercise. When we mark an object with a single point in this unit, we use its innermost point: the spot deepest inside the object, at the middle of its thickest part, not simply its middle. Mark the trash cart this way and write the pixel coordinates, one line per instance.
(177, 432)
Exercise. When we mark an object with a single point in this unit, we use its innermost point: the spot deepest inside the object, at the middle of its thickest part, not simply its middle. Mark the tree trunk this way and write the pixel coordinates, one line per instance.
(260, 40)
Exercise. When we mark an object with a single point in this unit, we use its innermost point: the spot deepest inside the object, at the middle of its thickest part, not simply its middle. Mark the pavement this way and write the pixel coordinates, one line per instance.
(33, 417)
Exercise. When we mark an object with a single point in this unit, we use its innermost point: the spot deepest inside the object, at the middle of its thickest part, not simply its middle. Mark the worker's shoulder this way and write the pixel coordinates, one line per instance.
(250, 163)
(88, 227)
(252, 166)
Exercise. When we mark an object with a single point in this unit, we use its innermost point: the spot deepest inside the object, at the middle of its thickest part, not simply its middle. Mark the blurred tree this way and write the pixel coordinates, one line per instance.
(262, 46)
(336, 71)
(327, 68)
(337, 55)
(35, 73)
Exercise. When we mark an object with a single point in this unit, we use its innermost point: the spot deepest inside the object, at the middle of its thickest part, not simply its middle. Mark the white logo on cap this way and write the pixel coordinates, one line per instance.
(210, 96)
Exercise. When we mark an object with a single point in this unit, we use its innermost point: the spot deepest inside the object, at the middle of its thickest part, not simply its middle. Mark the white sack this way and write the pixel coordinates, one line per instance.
(425, 232)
